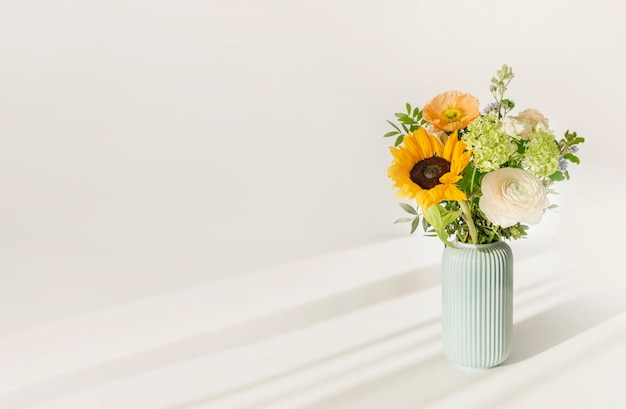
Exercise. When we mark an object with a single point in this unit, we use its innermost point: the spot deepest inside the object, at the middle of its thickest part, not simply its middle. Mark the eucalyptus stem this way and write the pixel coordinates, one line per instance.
(467, 215)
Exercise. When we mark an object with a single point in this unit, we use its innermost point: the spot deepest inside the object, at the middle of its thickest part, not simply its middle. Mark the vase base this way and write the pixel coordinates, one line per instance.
(474, 369)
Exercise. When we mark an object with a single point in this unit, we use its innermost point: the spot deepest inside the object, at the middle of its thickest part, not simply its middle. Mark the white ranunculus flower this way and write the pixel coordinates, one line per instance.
(516, 129)
(511, 196)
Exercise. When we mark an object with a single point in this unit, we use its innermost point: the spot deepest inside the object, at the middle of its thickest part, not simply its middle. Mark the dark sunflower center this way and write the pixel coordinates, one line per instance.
(426, 173)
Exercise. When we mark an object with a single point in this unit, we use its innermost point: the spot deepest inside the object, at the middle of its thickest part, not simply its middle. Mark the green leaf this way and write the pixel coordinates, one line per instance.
(406, 120)
(399, 140)
(406, 130)
(471, 177)
(416, 222)
(557, 176)
(402, 220)
(433, 215)
(508, 103)
(392, 133)
(408, 108)
(578, 140)
(439, 218)
(572, 158)
(394, 125)
(408, 208)
(449, 216)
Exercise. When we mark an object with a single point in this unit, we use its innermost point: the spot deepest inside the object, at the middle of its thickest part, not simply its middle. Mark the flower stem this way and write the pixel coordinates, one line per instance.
(467, 214)
(473, 177)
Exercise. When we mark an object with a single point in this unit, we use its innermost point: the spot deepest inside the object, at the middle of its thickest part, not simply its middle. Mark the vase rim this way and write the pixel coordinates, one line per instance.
(472, 245)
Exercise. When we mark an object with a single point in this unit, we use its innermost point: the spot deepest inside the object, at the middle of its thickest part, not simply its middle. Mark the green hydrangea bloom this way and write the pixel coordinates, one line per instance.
(541, 157)
(491, 147)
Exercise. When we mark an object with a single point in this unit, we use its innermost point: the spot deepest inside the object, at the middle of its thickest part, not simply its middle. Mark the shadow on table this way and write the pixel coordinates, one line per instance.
(249, 332)
(327, 308)
(549, 328)
(531, 338)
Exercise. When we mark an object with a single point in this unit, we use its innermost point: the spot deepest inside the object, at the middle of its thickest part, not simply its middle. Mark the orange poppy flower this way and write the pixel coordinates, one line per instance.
(452, 110)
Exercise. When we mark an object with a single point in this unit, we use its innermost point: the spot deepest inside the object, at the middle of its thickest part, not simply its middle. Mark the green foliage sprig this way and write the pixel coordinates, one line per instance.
(409, 122)
(568, 145)
(499, 85)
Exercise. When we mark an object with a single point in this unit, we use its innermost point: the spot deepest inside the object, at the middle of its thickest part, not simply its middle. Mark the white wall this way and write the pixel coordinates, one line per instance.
(149, 145)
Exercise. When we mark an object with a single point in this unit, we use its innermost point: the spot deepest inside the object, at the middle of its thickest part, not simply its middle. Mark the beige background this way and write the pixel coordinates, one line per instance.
(147, 146)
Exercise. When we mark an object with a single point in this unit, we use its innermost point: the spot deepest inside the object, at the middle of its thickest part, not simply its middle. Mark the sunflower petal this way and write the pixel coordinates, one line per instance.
(451, 144)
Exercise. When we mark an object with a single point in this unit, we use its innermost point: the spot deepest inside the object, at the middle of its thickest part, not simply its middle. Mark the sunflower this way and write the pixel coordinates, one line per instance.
(425, 170)
(452, 110)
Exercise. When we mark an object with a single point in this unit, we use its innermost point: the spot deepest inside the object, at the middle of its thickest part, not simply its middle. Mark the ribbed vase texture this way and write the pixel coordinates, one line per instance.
(477, 309)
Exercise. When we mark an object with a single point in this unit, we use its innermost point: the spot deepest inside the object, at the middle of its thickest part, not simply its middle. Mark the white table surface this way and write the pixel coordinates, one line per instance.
(354, 329)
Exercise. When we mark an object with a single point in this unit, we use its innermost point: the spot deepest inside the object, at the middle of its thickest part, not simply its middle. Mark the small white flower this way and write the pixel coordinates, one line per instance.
(516, 129)
(511, 196)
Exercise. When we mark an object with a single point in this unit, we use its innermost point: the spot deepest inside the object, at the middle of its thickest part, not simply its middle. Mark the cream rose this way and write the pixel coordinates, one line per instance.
(533, 117)
(511, 196)
(441, 136)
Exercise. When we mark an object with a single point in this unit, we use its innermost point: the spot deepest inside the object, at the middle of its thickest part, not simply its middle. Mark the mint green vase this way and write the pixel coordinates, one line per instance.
(477, 308)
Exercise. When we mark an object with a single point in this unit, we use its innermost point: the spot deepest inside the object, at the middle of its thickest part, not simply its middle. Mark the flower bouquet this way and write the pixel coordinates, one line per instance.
(477, 177)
